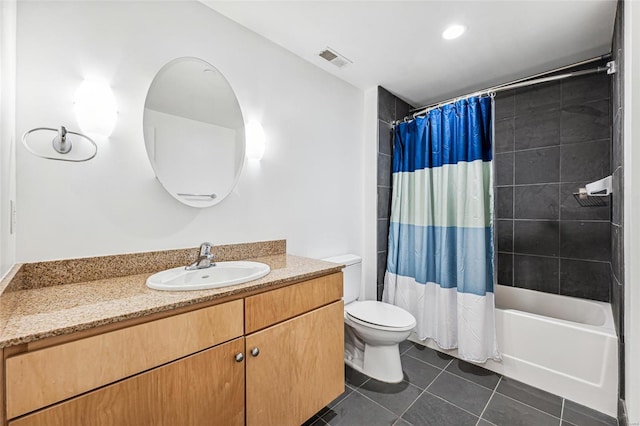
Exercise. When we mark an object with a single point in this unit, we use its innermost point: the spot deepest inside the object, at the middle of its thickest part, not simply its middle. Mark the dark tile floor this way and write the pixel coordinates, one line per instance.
(440, 390)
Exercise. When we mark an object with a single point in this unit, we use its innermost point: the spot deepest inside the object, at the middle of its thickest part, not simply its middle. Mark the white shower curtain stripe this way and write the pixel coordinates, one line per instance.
(440, 263)
(421, 203)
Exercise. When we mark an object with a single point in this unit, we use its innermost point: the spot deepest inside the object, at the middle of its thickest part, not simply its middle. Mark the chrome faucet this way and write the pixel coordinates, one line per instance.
(204, 259)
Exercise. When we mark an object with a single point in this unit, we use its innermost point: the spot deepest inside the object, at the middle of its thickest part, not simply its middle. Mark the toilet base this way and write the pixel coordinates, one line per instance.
(378, 362)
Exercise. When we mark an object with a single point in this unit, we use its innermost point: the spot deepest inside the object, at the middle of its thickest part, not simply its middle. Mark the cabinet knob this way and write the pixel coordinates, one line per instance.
(255, 352)
(239, 357)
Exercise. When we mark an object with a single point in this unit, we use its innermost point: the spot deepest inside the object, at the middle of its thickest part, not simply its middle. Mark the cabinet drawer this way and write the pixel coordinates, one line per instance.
(203, 389)
(42, 377)
(265, 309)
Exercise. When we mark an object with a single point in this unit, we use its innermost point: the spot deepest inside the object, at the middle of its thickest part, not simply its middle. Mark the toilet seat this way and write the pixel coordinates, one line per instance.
(380, 315)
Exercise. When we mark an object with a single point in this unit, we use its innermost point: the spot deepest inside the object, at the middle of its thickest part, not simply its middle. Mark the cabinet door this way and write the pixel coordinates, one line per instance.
(206, 388)
(299, 369)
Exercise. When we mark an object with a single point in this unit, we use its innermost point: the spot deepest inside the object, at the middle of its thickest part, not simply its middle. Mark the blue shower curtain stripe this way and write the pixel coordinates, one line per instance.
(450, 256)
(450, 125)
(440, 252)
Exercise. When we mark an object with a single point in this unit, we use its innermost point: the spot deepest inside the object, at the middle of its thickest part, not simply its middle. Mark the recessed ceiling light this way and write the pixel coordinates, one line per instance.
(453, 31)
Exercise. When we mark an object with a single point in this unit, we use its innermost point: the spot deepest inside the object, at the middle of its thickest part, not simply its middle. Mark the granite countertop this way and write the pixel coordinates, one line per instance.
(30, 314)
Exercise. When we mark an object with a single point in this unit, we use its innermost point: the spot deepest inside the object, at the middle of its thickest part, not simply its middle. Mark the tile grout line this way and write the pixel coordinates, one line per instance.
(453, 373)
(559, 263)
(560, 144)
(356, 389)
(427, 362)
(562, 411)
(553, 182)
(459, 376)
(377, 403)
(513, 200)
(488, 401)
(321, 420)
(531, 406)
(472, 382)
(424, 390)
(546, 256)
(341, 401)
(451, 403)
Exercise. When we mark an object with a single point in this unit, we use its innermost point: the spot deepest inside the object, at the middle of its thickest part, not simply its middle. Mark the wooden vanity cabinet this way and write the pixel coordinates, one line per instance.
(194, 391)
(272, 358)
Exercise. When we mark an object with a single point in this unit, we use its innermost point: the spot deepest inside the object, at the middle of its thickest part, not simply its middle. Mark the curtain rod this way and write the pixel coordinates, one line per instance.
(523, 82)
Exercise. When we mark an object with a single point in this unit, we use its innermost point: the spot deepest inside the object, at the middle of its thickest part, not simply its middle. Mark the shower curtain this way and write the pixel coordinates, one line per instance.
(440, 261)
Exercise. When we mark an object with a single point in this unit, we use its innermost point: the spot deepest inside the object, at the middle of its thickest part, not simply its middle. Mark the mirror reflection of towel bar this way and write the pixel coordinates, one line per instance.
(210, 196)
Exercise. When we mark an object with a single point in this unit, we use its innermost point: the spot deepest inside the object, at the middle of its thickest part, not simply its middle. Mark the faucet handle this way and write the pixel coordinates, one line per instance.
(205, 249)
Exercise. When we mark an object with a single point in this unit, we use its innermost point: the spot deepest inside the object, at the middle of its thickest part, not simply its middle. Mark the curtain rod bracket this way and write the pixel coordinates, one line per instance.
(612, 67)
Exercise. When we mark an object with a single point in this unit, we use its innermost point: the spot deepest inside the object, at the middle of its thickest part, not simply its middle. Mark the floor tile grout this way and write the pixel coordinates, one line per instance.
(340, 402)
(322, 420)
(438, 396)
(423, 391)
(406, 350)
(475, 383)
(424, 367)
(411, 405)
(427, 362)
(531, 406)
(457, 375)
(489, 400)
(449, 402)
(377, 403)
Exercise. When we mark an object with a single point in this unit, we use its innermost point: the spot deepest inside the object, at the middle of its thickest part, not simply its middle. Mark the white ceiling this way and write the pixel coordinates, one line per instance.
(398, 44)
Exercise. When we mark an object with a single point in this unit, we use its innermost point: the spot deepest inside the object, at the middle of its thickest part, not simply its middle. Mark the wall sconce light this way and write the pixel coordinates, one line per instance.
(95, 107)
(255, 141)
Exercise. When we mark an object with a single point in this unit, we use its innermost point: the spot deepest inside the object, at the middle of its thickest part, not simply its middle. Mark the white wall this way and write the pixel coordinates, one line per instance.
(7, 132)
(632, 207)
(306, 189)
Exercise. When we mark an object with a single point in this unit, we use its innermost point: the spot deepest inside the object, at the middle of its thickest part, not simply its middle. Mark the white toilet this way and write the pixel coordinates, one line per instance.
(372, 329)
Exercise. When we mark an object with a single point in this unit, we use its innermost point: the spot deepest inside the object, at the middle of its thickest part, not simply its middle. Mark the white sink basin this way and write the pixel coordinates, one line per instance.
(222, 275)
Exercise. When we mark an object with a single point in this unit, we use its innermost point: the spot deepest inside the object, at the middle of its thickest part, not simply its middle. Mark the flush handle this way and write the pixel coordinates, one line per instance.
(239, 357)
(255, 352)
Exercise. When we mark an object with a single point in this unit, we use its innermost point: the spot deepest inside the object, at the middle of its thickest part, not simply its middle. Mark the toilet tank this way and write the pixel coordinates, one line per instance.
(351, 275)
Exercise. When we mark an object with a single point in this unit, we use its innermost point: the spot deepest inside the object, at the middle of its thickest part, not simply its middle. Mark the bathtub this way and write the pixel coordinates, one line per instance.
(564, 345)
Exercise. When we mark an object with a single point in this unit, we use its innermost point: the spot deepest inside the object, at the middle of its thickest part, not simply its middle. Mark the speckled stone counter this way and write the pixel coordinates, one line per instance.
(31, 312)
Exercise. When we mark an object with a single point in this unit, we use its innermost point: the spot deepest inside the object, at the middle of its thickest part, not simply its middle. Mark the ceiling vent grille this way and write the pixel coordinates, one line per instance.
(334, 57)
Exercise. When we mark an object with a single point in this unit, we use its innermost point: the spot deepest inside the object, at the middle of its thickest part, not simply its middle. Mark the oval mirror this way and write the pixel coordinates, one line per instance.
(194, 132)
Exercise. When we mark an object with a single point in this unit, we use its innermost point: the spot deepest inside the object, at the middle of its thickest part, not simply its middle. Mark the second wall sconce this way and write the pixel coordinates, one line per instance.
(255, 141)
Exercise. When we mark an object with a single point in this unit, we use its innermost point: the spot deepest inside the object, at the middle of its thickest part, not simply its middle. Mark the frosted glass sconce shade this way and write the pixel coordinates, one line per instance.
(453, 32)
(255, 141)
(95, 107)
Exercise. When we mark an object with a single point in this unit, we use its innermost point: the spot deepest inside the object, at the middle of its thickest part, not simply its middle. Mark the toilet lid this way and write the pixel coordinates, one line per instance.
(380, 313)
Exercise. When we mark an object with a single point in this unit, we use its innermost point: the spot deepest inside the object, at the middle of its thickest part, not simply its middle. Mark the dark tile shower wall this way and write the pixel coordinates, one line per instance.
(617, 164)
(390, 108)
(550, 140)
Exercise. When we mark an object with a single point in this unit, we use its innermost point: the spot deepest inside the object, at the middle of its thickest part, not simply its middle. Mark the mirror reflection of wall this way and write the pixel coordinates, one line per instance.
(194, 132)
